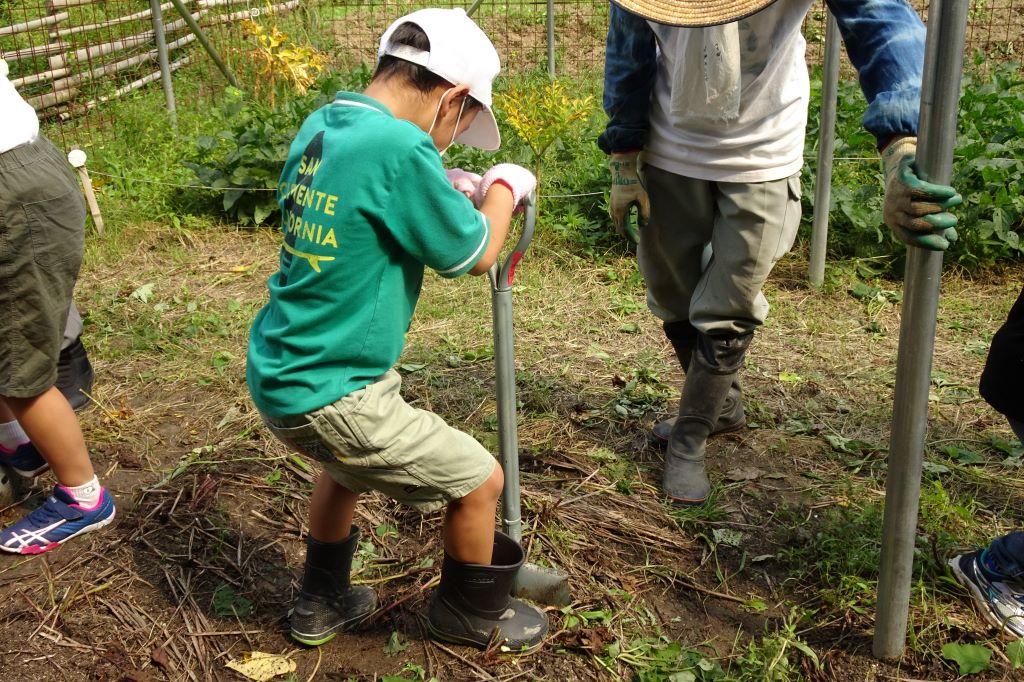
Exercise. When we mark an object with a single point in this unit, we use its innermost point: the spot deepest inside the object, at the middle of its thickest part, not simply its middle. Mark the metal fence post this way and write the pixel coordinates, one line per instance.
(551, 38)
(204, 41)
(826, 150)
(165, 64)
(940, 94)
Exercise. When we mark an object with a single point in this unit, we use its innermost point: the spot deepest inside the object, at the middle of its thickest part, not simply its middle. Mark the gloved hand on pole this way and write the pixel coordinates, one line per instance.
(517, 179)
(915, 210)
(627, 191)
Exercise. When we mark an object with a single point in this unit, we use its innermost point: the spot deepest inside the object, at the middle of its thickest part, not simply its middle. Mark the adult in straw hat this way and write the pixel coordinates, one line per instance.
(707, 104)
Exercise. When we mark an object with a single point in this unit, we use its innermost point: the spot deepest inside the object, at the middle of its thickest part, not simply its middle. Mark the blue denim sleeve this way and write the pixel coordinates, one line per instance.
(630, 67)
(885, 41)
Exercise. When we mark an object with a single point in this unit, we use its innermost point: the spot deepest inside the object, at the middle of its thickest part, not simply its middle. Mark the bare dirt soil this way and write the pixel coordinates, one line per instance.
(203, 561)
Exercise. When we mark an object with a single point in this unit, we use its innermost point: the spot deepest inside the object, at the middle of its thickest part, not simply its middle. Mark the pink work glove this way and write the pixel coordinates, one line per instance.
(518, 180)
(464, 181)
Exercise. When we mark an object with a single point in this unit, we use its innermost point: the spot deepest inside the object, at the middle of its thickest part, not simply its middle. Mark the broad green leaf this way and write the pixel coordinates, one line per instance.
(143, 293)
(1015, 652)
(971, 658)
(395, 645)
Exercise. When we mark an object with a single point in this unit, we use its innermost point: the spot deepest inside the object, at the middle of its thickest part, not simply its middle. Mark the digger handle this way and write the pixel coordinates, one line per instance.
(504, 272)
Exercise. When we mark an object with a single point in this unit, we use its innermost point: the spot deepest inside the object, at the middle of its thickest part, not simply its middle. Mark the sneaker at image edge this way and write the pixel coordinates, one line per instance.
(56, 521)
(1000, 603)
(25, 460)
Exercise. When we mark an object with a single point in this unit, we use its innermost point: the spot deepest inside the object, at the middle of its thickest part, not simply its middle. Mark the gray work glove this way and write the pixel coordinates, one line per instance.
(627, 191)
(915, 210)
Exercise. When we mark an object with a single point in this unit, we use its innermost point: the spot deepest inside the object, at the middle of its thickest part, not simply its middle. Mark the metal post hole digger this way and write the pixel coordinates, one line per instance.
(543, 585)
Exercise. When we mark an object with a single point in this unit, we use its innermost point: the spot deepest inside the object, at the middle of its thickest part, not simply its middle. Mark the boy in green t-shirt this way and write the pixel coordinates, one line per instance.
(366, 205)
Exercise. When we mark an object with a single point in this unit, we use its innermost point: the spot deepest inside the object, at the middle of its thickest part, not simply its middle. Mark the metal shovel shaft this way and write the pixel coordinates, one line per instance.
(508, 434)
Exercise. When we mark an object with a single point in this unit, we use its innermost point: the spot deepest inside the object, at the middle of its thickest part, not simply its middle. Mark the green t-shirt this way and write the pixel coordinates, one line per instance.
(365, 206)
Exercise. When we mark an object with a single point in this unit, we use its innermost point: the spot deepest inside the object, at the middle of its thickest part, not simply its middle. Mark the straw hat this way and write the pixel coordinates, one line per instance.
(693, 12)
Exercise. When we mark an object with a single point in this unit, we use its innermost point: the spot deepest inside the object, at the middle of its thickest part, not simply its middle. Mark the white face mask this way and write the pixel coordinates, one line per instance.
(437, 112)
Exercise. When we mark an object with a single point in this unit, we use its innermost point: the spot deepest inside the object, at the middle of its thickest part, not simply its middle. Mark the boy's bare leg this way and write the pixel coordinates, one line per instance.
(331, 510)
(53, 428)
(469, 522)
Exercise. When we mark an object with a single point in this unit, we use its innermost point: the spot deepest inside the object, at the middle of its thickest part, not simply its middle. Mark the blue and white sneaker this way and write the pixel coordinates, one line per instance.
(25, 460)
(1000, 603)
(58, 520)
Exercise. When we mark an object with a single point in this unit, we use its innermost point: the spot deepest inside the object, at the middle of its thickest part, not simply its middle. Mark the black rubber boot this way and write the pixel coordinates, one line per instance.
(474, 604)
(75, 375)
(329, 603)
(713, 368)
(683, 337)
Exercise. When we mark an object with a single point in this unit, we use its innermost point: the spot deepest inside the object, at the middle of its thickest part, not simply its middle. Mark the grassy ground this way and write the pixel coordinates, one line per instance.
(204, 559)
(773, 580)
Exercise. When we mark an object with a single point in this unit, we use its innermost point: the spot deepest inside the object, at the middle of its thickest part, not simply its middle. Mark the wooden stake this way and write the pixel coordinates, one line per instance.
(76, 157)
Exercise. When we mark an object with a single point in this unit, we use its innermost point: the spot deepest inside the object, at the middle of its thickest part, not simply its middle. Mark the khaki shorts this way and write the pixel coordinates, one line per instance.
(42, 232)
(372, 439)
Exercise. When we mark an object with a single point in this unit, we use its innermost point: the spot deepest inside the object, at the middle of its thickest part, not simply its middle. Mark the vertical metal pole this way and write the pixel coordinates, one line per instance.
(551, 38)
(165, 64)
(508, 434)
(826, 150)
(940, 94)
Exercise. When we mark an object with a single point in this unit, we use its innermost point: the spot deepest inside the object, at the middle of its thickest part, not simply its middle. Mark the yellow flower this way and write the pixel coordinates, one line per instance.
(278, 60)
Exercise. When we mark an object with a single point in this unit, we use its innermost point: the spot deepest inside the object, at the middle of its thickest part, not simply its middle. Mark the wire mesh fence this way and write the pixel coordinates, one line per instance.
(71, 58)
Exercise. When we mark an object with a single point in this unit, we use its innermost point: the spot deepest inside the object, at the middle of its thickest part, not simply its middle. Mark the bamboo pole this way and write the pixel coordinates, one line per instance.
(206, 4)
(34, 51)
(39, 77)
(33, 24)
(74, 30)
(54, 5)
(124, 64)
(247, 14)
(103, 49)
(134, 85)
(52, 99)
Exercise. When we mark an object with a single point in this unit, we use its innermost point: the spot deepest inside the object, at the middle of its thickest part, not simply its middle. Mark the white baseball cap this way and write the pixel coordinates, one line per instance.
(461, 54)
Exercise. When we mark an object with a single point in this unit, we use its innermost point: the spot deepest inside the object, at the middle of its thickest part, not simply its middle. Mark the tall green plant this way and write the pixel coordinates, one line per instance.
(244, 160)
(540, 115)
